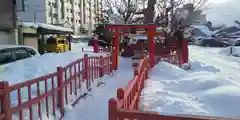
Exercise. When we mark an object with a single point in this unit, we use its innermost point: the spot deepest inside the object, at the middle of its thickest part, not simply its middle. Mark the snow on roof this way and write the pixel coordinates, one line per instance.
(81, 36)
(204, 29)
(46, 26)
(28, 24)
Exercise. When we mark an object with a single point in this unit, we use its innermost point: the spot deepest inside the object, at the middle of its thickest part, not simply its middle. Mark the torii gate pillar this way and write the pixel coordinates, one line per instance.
(151, 34)
(115, 50)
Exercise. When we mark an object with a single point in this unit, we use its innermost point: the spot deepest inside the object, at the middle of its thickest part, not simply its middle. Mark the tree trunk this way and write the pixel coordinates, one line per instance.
(149, 12)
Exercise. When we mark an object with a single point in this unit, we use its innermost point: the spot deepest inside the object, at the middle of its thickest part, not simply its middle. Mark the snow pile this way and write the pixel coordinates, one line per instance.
(232, 50)
(199, 91)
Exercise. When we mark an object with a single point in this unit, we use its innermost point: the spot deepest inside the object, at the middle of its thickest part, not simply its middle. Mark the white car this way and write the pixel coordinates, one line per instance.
(12, 53)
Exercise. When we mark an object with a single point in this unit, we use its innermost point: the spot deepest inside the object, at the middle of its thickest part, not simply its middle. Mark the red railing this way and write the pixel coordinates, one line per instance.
(172, 56)
(49, 95)
(128, 98)
(126, 105)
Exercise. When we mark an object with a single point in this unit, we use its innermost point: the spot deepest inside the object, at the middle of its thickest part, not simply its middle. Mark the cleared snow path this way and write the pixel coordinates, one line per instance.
(210, 88)
(95, 106)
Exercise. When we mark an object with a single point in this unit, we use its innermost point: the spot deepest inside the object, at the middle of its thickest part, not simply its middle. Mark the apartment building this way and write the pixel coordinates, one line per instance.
(8, 31)
(92, 10)
(80, 15)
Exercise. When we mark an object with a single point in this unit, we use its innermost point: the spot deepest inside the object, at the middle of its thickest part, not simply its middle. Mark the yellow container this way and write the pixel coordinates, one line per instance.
(59, 44)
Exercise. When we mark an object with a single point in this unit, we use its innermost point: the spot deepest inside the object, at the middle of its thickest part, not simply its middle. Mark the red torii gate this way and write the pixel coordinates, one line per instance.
(151, 32)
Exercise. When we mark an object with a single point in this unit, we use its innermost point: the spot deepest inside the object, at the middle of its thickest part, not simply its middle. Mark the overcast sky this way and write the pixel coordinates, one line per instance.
(224, 11)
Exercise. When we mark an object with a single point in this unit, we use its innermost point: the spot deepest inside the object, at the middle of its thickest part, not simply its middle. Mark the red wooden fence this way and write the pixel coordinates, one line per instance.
(46, 95)
(125, 106)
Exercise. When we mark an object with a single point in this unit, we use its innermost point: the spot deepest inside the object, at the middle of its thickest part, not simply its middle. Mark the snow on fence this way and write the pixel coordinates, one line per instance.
(126, 104)
(101, 49)
(48, 96)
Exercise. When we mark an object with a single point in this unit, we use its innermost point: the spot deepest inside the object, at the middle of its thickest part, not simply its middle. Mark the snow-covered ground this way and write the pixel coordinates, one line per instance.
(30, 68)
(33, 67)
(95, 106)
(211, 87)
(234, 51)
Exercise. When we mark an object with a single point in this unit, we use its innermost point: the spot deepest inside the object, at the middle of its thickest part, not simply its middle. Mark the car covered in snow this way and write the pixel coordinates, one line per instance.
(212, 42)
(12, 53)
(236, 42)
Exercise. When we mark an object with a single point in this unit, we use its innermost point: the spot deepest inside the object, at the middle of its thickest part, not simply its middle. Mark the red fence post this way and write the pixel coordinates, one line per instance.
(95, 44)
(112, 109)
(135, 72)
(4, 86)
(111, 63)
(101, 66)
(60, 92)
(86, 70)
(184, 51)
(85, 66)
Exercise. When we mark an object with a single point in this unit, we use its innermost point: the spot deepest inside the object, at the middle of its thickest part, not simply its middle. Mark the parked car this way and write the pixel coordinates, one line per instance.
(214, 43)
(197, 40)
(237, 43)
(12, 53)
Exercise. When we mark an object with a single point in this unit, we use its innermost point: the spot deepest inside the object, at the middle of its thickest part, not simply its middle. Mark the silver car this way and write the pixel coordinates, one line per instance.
(12, 53)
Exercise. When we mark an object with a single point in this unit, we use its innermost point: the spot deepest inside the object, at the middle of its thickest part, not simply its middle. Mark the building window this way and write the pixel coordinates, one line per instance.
(50, 14)
(71, 19)
(55, 15)
(54, 5)
(70, 1)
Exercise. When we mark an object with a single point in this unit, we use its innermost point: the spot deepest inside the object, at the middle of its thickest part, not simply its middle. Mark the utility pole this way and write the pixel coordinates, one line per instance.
(51, 11)
(34, 16)
(15, 21)
(90, 4)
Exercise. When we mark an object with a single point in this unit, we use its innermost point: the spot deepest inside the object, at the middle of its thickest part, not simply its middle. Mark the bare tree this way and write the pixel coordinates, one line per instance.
(126, 9)
(178, 14)
(104, 16)
(168, 13)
